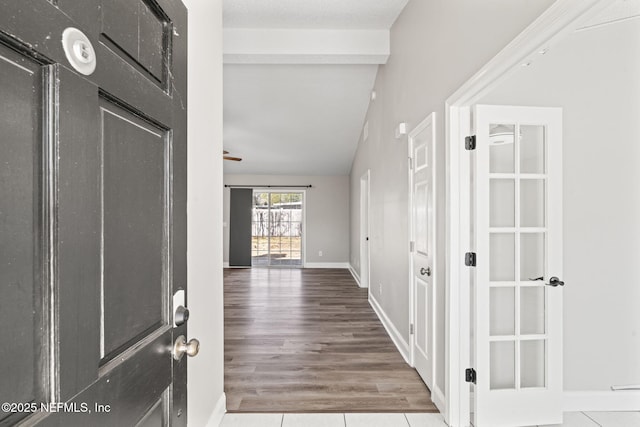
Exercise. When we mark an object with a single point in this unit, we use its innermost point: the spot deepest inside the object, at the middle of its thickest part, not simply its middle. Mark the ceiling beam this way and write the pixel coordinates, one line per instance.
(294, 46)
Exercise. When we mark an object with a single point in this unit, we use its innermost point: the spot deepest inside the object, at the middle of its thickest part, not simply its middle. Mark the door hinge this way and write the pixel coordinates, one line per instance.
(411, 329)
(470, 375)
(470, 259)
(470, 142)
(412, 246)
(410, 163)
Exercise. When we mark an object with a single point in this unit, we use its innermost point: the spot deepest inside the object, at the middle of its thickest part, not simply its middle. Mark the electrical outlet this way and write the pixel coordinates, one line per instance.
(319, 253)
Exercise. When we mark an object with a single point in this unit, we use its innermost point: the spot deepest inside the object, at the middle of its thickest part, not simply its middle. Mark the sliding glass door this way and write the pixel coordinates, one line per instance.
(276, 229)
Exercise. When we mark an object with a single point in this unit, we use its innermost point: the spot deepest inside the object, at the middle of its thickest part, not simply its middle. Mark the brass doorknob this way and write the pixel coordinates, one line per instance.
(182, 347)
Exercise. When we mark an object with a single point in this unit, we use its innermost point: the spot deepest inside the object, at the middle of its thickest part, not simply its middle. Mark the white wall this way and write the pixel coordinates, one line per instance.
(595, 76)
(436, 46)
(206, 371)
(327, 213)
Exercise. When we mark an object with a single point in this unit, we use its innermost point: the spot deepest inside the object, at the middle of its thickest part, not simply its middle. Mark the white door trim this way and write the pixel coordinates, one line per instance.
(365, 229)
(561, 19)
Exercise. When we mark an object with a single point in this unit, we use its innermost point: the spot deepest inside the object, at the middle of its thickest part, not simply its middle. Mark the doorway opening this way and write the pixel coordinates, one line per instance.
(277, 229)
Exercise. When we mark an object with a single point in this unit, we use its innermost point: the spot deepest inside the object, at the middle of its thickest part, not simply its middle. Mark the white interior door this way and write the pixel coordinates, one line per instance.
(364, 230)
(421, 177)
(518, 293)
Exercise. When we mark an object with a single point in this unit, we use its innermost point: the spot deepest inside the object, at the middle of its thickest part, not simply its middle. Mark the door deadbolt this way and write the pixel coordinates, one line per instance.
(182, 347)
(181, 316)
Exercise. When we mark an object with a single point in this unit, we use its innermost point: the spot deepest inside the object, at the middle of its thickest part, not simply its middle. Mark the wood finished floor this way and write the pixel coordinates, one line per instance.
(307, 341)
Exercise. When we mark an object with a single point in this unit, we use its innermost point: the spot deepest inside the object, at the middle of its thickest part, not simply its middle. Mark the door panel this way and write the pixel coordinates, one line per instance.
(518, 234)
(423, 302)
(130, 387)
(151, 45)
(421, 148)
(135, 213)
(21, 227)
(93, 204)
(137, 32)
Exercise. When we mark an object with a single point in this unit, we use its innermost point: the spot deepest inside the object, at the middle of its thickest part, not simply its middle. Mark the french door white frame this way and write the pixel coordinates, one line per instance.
(561, 19)
(303, 243)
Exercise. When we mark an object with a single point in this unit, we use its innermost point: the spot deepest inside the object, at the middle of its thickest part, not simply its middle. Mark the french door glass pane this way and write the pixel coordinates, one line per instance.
(503, 367)
(532, 149)
(532, 363)
(532, 259)
(502, 257)
(502, 150)
(502, 311)
(502, 196)
(532, 310)
(532, 206)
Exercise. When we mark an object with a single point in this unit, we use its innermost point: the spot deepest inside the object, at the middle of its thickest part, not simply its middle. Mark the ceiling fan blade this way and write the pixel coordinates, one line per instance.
(235, 159)
(225, 152)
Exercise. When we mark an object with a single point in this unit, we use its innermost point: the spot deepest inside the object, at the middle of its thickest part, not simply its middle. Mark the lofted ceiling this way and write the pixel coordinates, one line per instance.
(297, 80)
(294, 119)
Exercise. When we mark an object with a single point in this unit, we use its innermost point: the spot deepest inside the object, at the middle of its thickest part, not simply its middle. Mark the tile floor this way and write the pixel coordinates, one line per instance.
(571, 419)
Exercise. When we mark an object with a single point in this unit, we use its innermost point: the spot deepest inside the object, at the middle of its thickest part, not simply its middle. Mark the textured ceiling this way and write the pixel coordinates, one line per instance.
(294, 119)
(334, 14)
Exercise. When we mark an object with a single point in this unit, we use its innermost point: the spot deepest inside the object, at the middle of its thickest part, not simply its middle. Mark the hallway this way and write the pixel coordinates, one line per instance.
(304, 340)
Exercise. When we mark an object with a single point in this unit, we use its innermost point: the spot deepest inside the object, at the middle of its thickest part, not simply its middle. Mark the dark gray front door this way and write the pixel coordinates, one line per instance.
(92, 212)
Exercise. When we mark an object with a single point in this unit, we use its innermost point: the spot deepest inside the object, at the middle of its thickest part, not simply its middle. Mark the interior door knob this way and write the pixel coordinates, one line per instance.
(425, 271)
(182, 347)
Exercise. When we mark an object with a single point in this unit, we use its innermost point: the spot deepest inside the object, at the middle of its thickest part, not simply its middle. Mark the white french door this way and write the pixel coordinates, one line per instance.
(517, 288)
(422, 185)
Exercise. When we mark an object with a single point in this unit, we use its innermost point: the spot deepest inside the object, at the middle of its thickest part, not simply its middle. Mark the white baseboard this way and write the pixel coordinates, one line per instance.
(397, 339)
(604, 400)
(225, 264)
(355, 275)
(344, 265)
(438, 398)
(218, 412)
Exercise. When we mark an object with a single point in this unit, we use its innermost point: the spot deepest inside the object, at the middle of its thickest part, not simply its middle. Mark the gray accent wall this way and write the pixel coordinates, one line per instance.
(326, 213)
(435, 47)
(593, 76)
